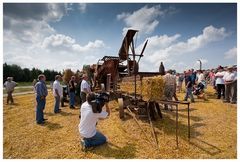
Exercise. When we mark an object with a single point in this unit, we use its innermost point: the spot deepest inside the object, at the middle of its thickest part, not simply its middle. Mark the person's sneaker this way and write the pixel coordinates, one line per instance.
(83, 146)
(233, 102)
(192, 101)
(72, 107)
(225, 101)
(45, 119)
(40, 123)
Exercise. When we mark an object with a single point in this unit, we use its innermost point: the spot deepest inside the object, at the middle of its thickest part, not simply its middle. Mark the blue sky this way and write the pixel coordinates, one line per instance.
(60, 36)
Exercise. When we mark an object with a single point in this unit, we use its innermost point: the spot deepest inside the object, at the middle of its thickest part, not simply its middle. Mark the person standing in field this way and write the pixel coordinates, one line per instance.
(72, 90)
(229, 79)
(10, 85)
(85, 88)
(41, 94)
(189, 86)
(234, 87)
(170, 86)
(57, 93)
(220, 82)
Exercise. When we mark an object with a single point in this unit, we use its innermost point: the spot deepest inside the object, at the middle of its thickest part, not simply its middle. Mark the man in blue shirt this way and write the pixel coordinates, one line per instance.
(41, 94)
(189, 86)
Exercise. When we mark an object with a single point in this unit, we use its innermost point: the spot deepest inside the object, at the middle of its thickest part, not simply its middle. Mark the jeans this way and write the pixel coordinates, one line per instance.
(39, 109)
(72, 98)
(234, 91)
(83, 96)
(189, 94)
(221, 90)
(9, 97)
(57, 104)
(97, 139)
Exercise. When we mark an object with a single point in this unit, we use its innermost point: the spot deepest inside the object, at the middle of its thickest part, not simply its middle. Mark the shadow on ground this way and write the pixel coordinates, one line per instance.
(110, 150)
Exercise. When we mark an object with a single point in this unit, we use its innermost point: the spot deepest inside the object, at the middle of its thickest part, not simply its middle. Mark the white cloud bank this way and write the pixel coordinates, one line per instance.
(231, 53)
(145, 19)
(30, 41)
(163, 48)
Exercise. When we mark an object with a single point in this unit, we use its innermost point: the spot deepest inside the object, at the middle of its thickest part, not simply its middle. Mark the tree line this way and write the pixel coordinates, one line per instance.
(26, 75)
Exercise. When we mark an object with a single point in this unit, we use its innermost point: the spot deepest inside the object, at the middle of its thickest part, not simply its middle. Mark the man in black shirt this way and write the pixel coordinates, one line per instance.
(72, 89)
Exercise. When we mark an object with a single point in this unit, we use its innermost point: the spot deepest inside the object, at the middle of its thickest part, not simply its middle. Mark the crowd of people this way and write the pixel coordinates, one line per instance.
(223, 80)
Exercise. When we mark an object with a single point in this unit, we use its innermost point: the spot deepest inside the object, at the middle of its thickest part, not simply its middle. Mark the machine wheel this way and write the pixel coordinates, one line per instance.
(121, 110)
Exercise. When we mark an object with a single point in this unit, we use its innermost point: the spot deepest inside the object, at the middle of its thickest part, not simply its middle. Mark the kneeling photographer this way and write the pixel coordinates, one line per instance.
(91, 111)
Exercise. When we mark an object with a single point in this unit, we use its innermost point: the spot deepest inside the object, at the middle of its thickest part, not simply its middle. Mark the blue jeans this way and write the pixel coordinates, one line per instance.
(39, 109)
(189, 94)
(97, 139)
(72, 98)
(57, 103)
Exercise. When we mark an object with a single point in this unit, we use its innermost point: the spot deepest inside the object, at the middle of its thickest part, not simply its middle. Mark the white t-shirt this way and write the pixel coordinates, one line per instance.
(10, 85)
(229, 76)
(200, 78)
(57, 85)
(85, 85)
(87, 125)
(220, 76)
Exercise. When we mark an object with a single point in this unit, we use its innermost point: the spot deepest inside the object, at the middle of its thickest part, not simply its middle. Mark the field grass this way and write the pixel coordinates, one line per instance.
(213, 133)
(19, 90)
(28, 83)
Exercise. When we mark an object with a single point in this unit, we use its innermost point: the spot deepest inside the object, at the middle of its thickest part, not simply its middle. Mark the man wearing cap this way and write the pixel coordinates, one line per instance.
(87, 126)
(57, 93)
(229, 78)
(220, 82)
(10, 85)
(85, 88)
(41, 94)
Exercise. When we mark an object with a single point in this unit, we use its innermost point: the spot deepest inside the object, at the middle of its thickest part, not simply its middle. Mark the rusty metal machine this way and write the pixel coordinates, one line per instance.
(111, 70)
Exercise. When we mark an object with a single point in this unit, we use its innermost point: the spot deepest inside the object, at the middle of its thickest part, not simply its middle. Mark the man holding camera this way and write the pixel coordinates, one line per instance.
(91, 112)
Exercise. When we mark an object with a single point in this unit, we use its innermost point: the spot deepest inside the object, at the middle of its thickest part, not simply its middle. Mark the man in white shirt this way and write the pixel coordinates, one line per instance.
(10, 85)
(87, 126)
(229, 79)
(57, 93)
(85, 88)
(220, 82)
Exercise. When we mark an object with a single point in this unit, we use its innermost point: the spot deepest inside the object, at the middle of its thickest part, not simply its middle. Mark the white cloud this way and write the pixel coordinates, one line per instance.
(30, 41)
(144, 19)
(82, 7)
(231, 53)
(164, 48)
(60, 42)
(210, 34)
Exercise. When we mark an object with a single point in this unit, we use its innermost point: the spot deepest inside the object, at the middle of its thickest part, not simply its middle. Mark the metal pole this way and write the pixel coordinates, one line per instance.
(177, 125)
(108, 82)
(135, 80)
(188, 123)
(200, 64)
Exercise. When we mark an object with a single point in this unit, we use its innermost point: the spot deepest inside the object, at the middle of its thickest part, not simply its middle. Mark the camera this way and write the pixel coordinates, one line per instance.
(99, 101)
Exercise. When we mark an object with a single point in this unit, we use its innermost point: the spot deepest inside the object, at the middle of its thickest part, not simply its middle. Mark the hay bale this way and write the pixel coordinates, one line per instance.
(153, 88)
